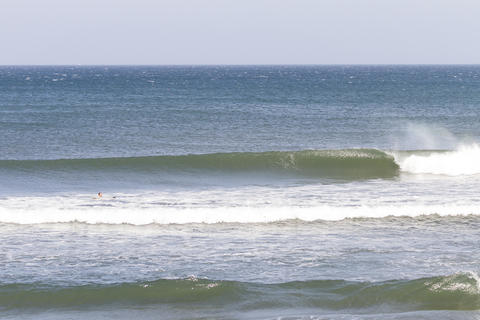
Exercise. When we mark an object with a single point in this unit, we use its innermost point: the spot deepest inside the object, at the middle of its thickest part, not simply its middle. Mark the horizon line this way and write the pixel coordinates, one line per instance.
(239, 65)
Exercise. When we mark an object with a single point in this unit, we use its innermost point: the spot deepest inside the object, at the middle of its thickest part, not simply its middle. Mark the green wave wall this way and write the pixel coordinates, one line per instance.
(348, 164)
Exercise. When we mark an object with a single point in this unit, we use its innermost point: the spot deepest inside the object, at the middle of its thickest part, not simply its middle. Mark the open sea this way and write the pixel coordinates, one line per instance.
(240, 192)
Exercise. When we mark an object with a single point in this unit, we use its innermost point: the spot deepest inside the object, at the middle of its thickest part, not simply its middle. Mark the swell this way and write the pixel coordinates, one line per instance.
(348, 163)
(454, 292)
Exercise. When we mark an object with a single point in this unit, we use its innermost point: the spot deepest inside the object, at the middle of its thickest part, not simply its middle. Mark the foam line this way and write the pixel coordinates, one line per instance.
(219, 215)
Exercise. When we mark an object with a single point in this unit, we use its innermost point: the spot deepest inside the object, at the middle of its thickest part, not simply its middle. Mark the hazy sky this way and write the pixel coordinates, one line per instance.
(239, 32)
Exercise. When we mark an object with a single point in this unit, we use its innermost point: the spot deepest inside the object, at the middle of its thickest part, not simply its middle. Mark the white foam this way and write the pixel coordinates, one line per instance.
(218, 215)
(465, 160)
(456, 283)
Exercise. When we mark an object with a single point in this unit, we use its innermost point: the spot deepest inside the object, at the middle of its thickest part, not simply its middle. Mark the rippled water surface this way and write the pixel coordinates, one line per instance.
(279, 192)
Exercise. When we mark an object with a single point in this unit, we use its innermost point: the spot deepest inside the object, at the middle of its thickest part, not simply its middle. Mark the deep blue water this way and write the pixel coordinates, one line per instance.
(89, 112)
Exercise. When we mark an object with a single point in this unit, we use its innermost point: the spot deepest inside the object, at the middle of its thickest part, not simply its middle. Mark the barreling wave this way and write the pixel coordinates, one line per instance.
(454, 292)
(348, 164)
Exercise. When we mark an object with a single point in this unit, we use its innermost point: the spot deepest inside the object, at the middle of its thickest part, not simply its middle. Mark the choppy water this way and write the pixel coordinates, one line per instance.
(307, 192)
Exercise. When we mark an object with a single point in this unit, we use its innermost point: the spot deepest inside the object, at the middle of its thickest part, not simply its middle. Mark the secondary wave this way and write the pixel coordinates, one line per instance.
(453, 292)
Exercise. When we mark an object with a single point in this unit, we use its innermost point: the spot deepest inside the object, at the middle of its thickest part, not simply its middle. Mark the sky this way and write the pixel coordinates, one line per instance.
(172, 32)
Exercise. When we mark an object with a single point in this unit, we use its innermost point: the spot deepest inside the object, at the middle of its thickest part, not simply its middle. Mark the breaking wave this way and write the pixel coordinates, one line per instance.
(346, 164)
(253, 204)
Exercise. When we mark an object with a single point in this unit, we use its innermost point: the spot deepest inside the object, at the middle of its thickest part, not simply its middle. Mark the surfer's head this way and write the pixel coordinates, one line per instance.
(99, 194)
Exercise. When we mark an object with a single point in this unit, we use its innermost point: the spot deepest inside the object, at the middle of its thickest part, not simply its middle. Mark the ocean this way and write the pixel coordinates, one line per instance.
(240, 192)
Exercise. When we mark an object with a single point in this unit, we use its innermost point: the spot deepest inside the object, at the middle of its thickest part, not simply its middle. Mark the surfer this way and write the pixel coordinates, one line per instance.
(100, 195)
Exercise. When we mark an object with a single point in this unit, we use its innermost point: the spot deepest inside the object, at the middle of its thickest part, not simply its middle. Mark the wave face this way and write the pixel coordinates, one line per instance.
(342, 164)
(347, 164)
(454, 292)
